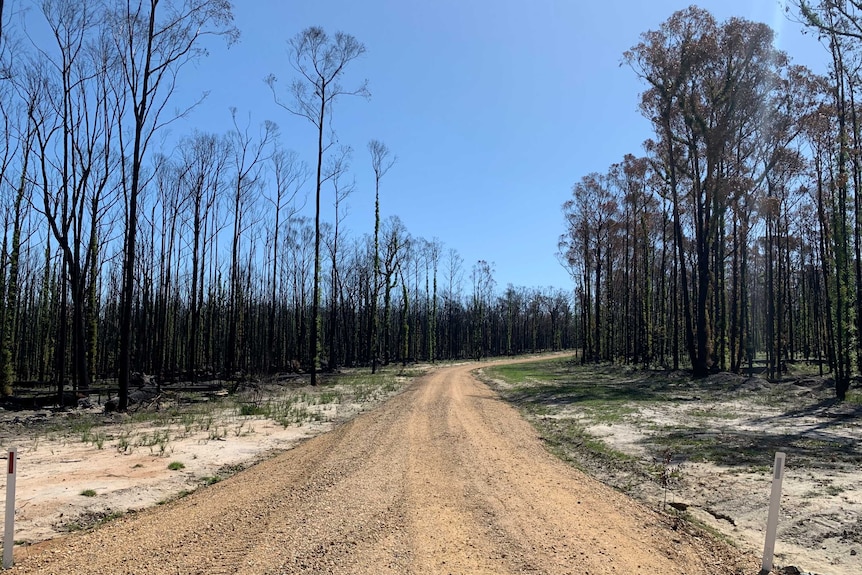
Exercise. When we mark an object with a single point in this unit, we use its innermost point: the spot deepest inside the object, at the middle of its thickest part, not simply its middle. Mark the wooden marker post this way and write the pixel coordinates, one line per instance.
(9, 532)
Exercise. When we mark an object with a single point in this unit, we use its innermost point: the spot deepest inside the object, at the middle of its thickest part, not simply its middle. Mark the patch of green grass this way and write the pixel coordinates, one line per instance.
(210, 480)
(362, 392)
(81, 425)
(249, 409)
(98, 440)
(691, 443)
(611, 394)
(89, 493)
(180, 495)
(537, 410)
(92, 519)
(608, 413)
(833, 490)
(602, 394)
(520, 373)
(802, 368)
(187, 420)
(157, 440)
(176, 465)
(696, 523)
(123, 443)
(710, 413)
(560, 382)
(111, 516)
(362, 387)
(569, 440)
(814, 444)
(328, 397)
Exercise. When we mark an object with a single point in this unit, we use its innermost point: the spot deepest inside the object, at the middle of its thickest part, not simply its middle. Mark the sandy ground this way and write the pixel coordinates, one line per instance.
(443, 478)
(722, 471)
(53, 475)
(821, 506)
(123, 465)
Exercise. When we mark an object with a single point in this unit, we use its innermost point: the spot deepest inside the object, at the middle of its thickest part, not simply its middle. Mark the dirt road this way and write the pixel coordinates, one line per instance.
(444, 478)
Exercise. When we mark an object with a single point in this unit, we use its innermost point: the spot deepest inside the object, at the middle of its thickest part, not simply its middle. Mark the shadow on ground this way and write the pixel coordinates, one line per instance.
(817, 422)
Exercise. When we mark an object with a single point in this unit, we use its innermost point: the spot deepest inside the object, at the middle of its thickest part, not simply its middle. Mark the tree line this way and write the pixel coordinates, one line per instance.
(202, 260)
(737, 234)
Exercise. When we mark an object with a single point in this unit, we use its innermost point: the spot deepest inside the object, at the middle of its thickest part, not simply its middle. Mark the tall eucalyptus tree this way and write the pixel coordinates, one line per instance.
(320, 62)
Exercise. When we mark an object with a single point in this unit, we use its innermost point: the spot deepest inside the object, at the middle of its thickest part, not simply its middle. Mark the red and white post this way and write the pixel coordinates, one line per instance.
(9, 531)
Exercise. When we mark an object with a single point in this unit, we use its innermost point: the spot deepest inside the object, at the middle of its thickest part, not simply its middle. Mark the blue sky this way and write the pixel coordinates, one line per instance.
(494, 109)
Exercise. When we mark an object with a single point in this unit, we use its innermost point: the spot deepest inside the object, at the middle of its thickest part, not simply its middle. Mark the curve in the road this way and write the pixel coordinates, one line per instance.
(444, 478)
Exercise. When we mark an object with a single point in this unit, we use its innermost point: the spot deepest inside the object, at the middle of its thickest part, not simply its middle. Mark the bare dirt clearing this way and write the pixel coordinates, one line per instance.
(443, 478)
(713, 441)
(79, 468)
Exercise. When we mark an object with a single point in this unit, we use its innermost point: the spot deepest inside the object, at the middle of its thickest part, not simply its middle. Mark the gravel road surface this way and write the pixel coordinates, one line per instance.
(443, 478)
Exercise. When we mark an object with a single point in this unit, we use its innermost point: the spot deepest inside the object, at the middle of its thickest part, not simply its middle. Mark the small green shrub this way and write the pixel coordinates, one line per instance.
(89, 493)
(252, 409)
(176, 465)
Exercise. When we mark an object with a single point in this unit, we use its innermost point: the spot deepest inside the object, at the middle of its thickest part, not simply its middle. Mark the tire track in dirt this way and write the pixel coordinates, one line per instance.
(443, 478)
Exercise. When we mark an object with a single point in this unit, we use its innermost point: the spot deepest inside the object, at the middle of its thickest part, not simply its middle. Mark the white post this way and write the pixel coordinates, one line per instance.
(9, 533)
(772, 520)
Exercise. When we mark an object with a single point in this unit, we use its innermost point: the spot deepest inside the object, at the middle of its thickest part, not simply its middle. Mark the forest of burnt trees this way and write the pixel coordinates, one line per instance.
(210, 258)
(738, 234)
